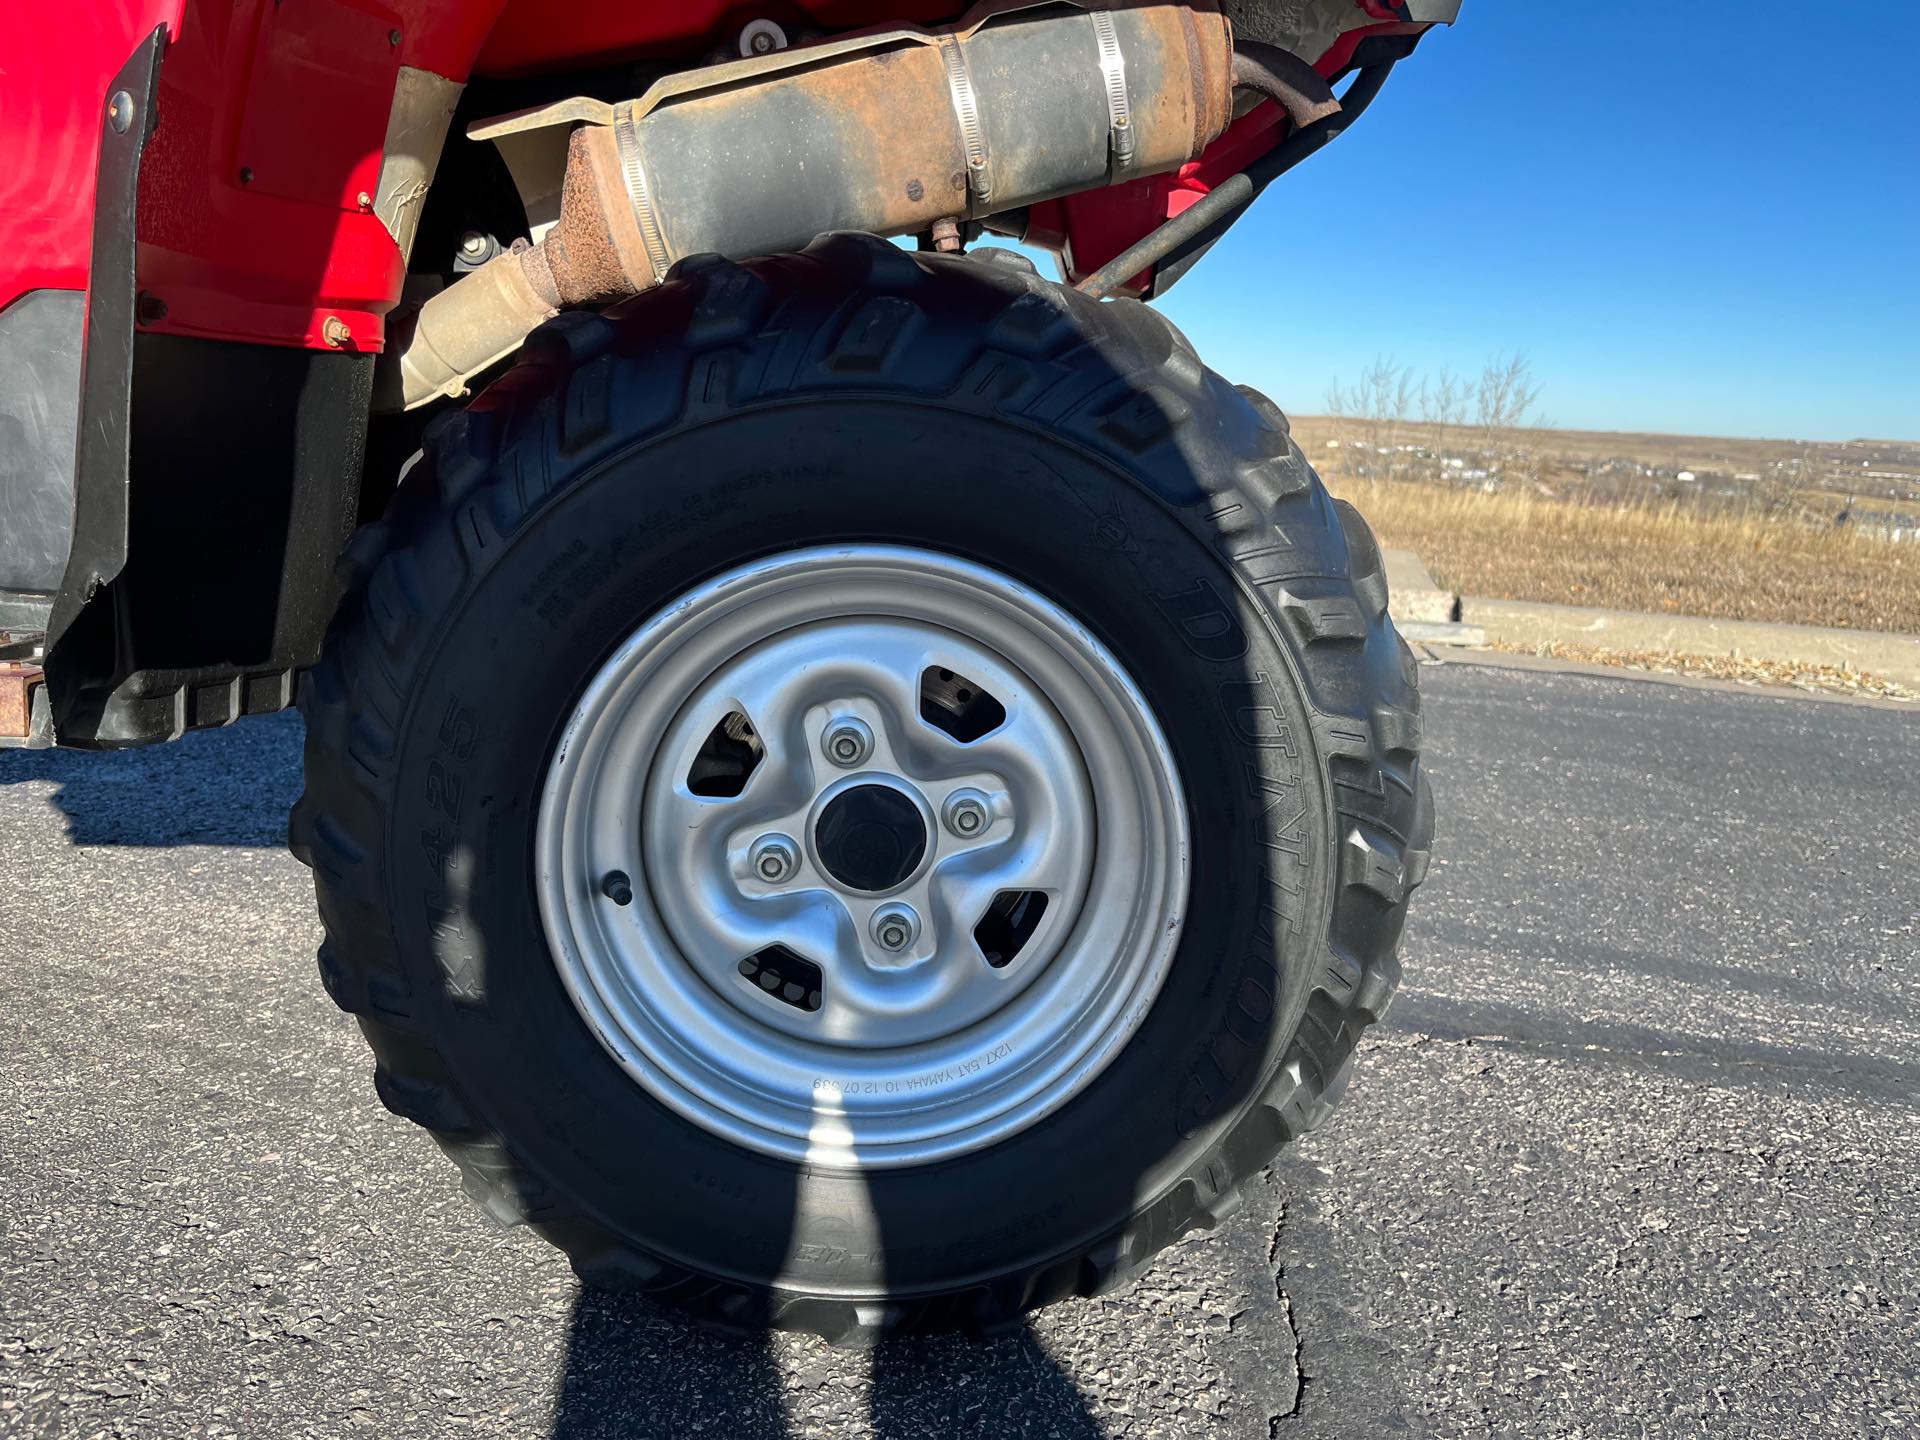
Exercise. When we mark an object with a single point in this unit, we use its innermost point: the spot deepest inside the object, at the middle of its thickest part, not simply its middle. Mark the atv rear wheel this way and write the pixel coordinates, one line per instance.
(910, 860)
(863, 792)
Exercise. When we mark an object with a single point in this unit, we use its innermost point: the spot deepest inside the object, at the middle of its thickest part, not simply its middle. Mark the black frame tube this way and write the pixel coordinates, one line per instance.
(1204, 221)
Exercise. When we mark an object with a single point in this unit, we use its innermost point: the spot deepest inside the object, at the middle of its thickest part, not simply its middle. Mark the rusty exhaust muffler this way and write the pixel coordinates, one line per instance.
(890, 132)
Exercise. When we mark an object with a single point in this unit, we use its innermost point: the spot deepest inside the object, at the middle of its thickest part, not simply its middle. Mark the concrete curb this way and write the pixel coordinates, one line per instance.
(1526, 622)
(1412, 597)
(1548, 665)
(1427, 632)
(1424, 613)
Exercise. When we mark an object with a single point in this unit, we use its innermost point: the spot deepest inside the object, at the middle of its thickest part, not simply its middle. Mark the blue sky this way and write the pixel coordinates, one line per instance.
(1692, 218)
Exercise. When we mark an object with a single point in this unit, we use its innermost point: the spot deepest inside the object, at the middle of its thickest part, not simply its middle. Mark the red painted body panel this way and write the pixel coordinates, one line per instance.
(273, 117)
(55, 62)
(541, 35)
(252, 221)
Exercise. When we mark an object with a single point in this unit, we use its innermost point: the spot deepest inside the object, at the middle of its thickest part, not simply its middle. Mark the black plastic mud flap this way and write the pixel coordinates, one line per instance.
(213, 487)
(40, 343)
(66, 365)
(99, 529)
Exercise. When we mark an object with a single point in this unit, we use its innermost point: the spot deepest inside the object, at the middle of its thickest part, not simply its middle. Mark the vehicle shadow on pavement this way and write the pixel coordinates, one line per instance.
(227, 787)
(638, 1371)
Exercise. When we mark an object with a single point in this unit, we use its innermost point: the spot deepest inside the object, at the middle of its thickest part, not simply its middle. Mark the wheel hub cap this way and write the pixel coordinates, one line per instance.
(870, 838)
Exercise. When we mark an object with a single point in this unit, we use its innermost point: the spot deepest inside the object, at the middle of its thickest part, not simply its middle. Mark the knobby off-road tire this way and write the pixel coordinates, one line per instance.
(859, 394)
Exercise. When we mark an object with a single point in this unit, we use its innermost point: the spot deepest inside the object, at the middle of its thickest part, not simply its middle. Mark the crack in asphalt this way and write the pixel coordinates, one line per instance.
(1292, 1412)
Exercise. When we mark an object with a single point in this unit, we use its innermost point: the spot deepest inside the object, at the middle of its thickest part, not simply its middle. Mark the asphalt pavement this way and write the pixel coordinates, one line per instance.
(1636, 1152)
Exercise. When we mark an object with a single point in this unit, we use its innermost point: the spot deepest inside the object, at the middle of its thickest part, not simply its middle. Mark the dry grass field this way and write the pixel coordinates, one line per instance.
(1872, 472)
(1518, 545)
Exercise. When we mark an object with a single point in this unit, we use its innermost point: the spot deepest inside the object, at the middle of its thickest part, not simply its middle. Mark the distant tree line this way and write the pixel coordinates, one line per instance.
(1388, 422)
(1394, 424)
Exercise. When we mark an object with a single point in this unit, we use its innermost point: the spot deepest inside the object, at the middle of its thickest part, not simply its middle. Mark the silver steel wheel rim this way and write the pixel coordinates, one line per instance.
(913, 1052)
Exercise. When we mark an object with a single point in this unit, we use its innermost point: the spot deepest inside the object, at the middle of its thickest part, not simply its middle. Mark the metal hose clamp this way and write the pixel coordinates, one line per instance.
(635, 178)
(1113, 75)
(966, 109)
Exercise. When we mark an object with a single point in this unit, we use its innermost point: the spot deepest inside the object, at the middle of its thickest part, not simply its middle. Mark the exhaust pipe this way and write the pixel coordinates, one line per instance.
(890, 132)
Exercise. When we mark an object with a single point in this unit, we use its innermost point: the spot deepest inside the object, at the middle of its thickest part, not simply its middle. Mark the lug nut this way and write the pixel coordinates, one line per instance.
(847, 743)
(773, 858)
(895, 927)
(966, 814)
(617, 887)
